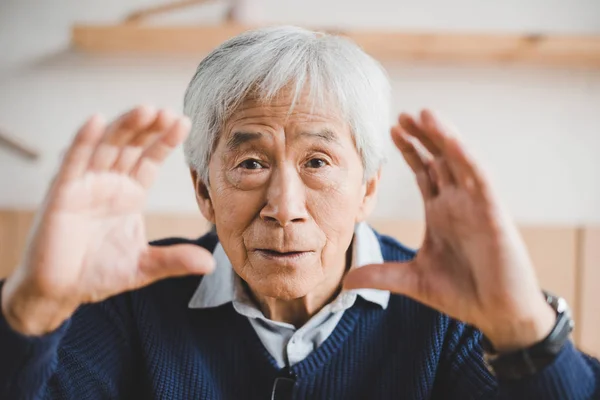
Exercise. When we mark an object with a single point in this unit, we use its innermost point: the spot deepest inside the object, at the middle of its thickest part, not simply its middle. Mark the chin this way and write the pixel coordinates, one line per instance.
(282, 286)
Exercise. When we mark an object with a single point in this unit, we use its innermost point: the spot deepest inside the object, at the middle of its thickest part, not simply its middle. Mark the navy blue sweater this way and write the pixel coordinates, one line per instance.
(148, 344)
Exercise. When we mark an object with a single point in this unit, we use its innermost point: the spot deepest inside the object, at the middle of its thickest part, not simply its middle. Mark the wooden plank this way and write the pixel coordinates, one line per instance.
(553, 251)
(8, 242)
(589, 288)
(409, 233)
(158, 225)
(15, 226)
(562, 50)
(144, 14)
(151, 39)
(162, 225)
(14, 231)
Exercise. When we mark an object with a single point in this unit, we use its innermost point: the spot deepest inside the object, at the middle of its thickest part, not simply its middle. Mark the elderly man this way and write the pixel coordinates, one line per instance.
(304, 300)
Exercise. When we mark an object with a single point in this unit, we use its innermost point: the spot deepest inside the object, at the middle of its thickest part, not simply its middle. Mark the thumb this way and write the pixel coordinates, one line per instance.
(400, 278)
(177, 260)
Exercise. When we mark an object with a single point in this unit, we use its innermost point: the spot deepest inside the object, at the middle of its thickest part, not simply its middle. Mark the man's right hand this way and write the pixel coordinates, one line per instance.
(88, 242)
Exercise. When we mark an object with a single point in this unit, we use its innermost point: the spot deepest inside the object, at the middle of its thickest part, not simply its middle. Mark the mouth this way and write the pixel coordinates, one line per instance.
(282, 256)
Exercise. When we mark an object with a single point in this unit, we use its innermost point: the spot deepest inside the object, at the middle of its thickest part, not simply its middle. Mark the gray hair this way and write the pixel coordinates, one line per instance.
(264, 61)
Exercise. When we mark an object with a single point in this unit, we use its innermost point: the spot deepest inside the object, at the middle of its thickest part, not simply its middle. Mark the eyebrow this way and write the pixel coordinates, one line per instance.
(324, 134)
(239, 138)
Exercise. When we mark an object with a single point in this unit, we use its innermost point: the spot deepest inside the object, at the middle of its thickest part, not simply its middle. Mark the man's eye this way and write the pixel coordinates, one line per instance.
(251, 164)
(316, 163)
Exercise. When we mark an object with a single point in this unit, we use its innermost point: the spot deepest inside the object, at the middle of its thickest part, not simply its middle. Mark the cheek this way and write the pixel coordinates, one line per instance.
(234, 211)
(334, 206)
(334, 192)
(246, 180)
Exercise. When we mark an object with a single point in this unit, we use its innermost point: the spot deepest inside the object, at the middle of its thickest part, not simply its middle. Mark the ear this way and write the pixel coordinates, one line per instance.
(369, 197)
(203, 197)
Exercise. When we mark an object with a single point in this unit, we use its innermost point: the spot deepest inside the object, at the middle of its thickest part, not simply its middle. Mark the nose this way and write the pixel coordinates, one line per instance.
(286, 198)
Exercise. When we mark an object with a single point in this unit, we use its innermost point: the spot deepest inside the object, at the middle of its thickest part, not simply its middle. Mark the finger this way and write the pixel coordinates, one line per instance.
(464, 169)
(146, 169)
(440, 130)
(443, 177)
(400, 278)
(164, 120)
(417, 160)
(76, 159)
(119, 132)
(123, 129)
(433, 145)
(171, 261)
(131, 151)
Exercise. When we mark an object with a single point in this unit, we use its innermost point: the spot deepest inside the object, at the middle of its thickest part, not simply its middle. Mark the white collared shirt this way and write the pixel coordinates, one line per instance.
(287, 344)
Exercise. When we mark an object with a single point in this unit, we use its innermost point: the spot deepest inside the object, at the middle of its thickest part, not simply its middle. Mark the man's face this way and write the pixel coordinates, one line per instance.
(285, 191)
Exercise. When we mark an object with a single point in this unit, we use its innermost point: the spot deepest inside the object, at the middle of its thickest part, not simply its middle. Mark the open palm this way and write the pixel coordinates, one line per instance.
(89, 241)
(473, 264)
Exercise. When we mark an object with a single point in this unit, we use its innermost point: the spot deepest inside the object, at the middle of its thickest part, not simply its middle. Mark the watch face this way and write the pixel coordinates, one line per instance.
(561, 307)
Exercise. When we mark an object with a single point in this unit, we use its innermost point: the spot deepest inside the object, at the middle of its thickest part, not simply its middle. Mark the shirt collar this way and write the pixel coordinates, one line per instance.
(223, 286)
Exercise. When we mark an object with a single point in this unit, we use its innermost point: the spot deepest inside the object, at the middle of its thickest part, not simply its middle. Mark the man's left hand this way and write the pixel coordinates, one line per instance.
(473, 264)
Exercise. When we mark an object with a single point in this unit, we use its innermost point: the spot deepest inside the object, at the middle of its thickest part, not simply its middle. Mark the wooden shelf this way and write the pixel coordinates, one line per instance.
(560, 50)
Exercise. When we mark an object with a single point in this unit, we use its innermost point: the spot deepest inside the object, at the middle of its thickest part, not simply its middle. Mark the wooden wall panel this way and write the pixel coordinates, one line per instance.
(8, 241)
(15, 226)
(553, 249)
(190, 225)
(589, 296)
(409, 233)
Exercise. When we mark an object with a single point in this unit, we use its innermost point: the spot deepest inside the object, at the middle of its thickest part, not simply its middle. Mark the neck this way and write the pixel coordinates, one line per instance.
(298, 311)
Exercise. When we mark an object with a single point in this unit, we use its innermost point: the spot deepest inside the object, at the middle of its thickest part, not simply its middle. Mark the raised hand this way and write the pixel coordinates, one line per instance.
(473, 264)
(88, 242)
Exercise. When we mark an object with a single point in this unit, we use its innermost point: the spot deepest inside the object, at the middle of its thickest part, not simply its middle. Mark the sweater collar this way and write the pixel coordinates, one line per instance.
(224, 285)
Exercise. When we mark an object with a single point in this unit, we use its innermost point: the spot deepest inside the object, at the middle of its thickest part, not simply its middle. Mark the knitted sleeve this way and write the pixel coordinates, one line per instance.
(89, 356)
(463, 373)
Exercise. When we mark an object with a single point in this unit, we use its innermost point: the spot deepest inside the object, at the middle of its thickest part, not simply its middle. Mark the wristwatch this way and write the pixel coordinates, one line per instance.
(528, 361)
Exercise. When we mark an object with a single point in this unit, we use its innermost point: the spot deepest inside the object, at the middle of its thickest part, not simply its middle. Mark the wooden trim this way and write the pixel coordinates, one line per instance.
(8, 241)
(144, 14)
(14, 232)
(589, 323)
(409, 233)
(561, 50)
(576, 306)
(553, 251)
(161, 225)
(567, 262)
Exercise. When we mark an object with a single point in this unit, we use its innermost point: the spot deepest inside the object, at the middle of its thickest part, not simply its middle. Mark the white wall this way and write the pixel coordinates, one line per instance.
(536, 130)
